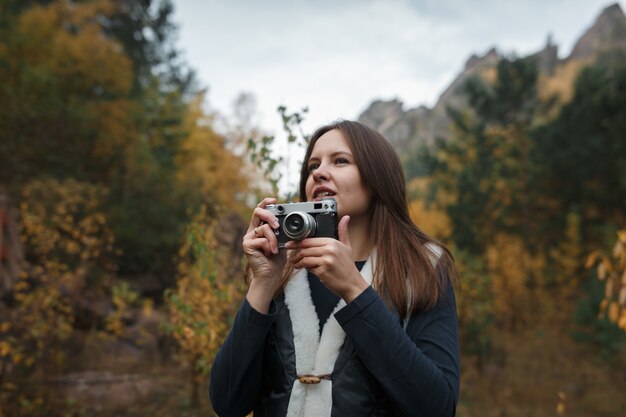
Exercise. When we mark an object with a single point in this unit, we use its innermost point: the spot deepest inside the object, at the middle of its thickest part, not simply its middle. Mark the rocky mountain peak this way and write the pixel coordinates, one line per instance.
(381, 113)
(475, 61)
(607, 32)
(548, 58)
(406, 129)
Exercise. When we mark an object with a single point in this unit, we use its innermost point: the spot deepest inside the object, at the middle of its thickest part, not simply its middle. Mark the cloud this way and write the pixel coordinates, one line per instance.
(336, 57)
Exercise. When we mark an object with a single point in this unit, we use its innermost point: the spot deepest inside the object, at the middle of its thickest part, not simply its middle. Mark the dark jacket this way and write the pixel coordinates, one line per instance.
(379, 371)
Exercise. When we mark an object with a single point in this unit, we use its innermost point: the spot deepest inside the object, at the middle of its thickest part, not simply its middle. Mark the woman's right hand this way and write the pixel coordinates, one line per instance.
(265, 261)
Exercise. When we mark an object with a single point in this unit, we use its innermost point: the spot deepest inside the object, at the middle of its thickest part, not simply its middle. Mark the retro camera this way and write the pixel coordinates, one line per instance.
(299, 221)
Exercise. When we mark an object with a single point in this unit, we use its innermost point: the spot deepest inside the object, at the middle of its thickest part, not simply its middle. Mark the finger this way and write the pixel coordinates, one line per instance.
(309, 262)
(264, 231)
(266, 201)
(260, 216)
(253, 245)
(342, 230)
(297, 255)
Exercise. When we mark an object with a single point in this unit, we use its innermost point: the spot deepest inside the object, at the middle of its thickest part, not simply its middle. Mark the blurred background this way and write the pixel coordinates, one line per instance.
(135, 136)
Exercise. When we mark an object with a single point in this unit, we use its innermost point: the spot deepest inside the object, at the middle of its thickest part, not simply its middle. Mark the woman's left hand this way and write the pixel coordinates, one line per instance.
(331, 260)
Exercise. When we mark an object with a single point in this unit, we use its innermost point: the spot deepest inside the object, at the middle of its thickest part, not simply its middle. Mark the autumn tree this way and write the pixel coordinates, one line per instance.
(206, 166)
(111, 158)
(485, 166)
(150, 212)
(66, 104)
(205, 298)
(69, 269)
(95, 90)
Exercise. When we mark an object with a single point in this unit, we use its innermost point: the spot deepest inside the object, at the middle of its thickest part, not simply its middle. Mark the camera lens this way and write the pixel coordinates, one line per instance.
(299, 225)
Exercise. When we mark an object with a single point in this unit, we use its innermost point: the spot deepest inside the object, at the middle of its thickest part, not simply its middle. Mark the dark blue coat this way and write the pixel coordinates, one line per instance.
(382, 369)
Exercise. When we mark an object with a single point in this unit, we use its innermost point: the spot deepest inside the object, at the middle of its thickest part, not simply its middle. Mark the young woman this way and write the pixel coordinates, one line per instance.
(361, 326)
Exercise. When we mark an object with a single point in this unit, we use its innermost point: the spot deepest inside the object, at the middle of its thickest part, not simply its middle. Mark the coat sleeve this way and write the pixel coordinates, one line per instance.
(237, 371)
(418, 367)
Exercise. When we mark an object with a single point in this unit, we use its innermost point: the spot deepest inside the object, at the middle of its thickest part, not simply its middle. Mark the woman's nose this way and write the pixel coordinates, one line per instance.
(321, 174)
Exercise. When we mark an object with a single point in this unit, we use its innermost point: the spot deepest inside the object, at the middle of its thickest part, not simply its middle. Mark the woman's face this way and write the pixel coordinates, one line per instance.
(333, 173)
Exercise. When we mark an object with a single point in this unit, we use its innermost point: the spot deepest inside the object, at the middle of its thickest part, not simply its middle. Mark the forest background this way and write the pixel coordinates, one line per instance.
(122, 211)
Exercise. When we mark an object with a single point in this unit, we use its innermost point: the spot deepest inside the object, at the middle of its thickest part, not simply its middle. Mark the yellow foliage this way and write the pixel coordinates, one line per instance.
(61, 49)
(560, 407)
(512, 269)
(205, 164)
(115, 129)
(205, 297)
(561, 83)
(123, 299)
(622, 319)
(77, 49)
(65, 236)
(429, 217)
(613, 274)
(64, 220)
(431, 220)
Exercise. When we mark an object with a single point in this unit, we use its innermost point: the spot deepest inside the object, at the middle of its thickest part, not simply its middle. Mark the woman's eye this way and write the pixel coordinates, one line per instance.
(341, 161)
(313, 167)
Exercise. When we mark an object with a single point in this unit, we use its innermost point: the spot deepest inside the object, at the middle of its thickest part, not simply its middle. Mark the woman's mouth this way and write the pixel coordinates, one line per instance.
(323, 194)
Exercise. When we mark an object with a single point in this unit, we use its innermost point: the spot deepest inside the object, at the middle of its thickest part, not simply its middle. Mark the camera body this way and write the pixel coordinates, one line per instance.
(299, 221)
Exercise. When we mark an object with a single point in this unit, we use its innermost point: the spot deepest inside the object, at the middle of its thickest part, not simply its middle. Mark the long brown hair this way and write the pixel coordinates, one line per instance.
(402, 250)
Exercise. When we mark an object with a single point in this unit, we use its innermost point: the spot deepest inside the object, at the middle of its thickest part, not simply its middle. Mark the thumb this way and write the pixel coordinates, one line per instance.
(342, 230)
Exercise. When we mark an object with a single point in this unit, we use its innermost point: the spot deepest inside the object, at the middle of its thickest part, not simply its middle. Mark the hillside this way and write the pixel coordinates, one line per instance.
(407, 129)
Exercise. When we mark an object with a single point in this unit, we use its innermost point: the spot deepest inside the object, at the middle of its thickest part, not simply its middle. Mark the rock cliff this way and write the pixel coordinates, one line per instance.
(408, 129)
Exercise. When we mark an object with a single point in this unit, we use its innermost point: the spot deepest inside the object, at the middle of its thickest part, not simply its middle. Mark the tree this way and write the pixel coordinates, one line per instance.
(206, 168)
(485, 167)
(581, 155)
(204, 300)
(261, 151)
(95, 90)
(63, 105)
(147, 33)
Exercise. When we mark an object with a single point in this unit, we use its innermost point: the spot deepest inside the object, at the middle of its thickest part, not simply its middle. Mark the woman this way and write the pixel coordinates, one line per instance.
(360, 326)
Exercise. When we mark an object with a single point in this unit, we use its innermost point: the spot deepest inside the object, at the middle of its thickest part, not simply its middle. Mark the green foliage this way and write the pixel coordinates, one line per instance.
(148, 34)
(95, 91)
(55, 99)
(527, 196)
(107, 151)
(423, 162)
(475, 308)
(581, 155)
(148, 221)
(485, 165)
(116, 166)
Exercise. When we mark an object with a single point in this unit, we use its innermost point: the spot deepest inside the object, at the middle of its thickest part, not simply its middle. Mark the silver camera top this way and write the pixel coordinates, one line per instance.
(322, 206)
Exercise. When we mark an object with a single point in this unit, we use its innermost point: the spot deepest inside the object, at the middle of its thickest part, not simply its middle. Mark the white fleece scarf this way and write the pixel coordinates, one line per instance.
(315, 355)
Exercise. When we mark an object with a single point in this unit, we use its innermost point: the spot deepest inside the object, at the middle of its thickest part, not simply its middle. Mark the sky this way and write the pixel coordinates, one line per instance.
(336, 57)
